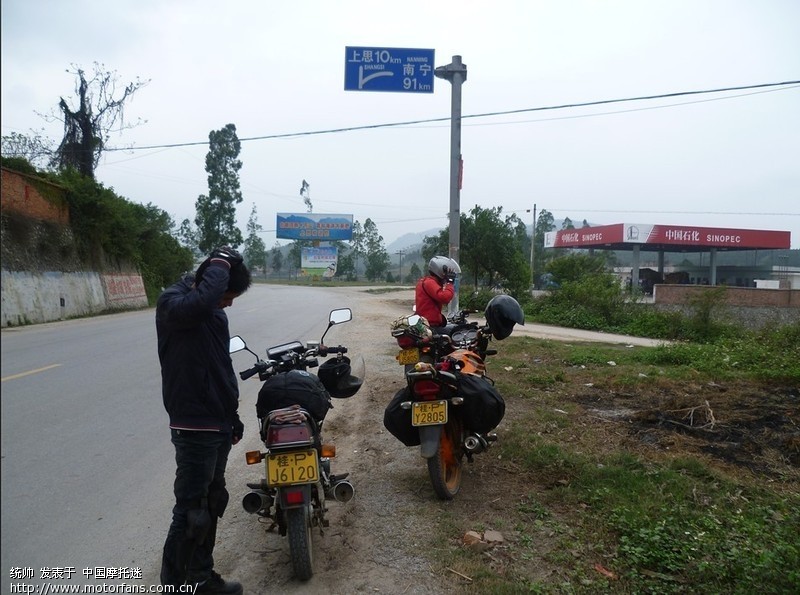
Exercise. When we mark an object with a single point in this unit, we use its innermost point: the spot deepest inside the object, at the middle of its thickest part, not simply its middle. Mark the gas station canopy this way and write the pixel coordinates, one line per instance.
(667, 238)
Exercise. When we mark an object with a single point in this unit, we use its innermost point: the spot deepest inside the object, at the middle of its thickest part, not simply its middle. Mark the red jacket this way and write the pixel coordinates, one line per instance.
(431, 295)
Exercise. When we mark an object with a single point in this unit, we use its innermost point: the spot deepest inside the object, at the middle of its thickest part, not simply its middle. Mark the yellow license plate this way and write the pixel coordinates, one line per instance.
(291, 468)
(429, 413)
(408, 356)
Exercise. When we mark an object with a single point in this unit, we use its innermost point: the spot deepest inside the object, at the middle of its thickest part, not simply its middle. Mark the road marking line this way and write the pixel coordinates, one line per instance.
(28, 373)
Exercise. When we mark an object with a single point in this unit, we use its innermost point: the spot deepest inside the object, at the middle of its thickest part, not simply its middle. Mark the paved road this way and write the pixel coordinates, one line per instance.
(557, 333)
(87, 465)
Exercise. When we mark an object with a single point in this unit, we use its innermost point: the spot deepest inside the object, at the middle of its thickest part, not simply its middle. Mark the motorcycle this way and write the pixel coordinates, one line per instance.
(291, 407)
(450, 406)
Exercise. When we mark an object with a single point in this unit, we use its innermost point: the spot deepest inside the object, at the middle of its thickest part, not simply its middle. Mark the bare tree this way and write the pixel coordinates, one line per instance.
(88, 127)
(34, 148)
(305, 192)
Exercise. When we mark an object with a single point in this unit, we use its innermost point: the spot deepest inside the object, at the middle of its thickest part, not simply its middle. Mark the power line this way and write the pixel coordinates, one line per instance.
(658, 212)
(469, 116)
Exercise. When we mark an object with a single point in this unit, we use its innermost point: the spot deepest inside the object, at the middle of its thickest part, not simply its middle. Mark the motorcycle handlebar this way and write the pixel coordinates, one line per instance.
(482, 331)
(258, 368)
(461, 316)
(325, 351)
(247, 373)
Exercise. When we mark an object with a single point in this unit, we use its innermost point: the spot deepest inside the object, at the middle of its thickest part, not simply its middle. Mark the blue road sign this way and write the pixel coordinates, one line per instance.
(402, 70)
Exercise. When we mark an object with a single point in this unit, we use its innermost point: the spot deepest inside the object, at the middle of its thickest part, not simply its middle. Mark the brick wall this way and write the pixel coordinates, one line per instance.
(21, 194)
(733, 296)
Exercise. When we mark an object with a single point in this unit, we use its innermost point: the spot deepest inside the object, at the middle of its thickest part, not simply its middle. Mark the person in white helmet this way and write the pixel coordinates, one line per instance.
(436, 290)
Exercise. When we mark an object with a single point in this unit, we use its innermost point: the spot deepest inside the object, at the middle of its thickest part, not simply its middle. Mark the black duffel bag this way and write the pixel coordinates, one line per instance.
(296, 387)
(483, 408)
(398, 420)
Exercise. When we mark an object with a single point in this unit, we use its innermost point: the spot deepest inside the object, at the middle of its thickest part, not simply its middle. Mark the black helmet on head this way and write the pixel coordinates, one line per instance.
(502, 312)
(340, 378)
(442, 266)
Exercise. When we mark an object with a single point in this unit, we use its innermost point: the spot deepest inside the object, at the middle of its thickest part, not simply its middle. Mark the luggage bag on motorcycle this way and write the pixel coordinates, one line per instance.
(294, 387)
(483, 406)
(398, 420)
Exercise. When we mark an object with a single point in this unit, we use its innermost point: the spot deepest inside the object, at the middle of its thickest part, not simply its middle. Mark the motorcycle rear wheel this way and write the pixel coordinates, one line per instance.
(299, 532)
(444, 468)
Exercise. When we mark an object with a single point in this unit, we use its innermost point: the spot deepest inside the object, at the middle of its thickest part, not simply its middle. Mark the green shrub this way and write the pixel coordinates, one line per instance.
(593, 302)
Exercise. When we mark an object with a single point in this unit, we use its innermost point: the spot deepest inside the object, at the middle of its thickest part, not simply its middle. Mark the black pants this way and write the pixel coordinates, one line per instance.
(200, 499)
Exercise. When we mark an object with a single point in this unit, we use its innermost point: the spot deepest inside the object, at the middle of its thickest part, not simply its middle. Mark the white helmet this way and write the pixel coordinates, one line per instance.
(442, 266)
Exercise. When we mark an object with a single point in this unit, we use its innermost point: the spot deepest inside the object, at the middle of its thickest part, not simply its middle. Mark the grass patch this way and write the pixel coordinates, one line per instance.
(674, 470)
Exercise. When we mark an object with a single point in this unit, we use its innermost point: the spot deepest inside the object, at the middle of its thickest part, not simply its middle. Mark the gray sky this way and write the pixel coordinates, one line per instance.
(718, 160)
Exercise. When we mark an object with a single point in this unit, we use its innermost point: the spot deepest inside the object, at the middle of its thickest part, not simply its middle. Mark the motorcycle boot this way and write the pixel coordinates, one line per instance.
(216, 585)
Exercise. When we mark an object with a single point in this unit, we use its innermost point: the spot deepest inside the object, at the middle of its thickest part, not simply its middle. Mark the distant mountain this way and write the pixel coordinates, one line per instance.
(411, 240)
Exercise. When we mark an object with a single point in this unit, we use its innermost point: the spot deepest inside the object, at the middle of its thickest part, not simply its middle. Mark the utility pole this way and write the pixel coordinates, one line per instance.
(533, 247)
(456, 73)
(400, 259)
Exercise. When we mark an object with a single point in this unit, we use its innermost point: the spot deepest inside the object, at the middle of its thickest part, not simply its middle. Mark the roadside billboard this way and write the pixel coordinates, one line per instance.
(314, 226)
(319, 262)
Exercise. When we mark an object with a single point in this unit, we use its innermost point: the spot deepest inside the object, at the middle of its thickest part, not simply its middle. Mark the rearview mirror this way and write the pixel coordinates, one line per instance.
(236, 344)
(341, 315)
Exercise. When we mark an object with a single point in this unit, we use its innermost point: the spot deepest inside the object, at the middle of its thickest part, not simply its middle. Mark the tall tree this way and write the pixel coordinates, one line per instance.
(492, 248)
(413, 274)
(255, 252)
(346, 267)
(438, 245)
(277, 258)
(357, 248)
(296, 252)
(376, 258)
(87, 127)
(189, 237)
(216, 213)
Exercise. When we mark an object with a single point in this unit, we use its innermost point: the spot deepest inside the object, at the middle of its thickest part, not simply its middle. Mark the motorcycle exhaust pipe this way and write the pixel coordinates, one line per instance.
(474, 444)
(343, 491)
(255, 501)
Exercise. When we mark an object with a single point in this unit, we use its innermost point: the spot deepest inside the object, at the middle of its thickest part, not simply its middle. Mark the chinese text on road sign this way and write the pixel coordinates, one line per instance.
(403, 70)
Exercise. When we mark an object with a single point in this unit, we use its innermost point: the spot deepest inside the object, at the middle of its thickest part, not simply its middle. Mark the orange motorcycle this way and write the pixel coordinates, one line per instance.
(449, 406)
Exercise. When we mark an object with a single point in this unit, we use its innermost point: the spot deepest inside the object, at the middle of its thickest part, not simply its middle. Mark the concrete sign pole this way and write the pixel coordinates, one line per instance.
(456, 73)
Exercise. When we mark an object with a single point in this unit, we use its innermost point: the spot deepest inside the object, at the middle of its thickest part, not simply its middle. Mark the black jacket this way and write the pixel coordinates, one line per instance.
(198, 382)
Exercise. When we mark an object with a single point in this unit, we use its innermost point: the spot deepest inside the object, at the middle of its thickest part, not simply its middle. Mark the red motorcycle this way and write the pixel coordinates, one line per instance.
(291, 407)
(449, 406)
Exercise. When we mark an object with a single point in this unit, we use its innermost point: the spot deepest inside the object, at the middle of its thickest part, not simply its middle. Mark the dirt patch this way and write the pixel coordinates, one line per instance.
(739, 426)
(378, 542)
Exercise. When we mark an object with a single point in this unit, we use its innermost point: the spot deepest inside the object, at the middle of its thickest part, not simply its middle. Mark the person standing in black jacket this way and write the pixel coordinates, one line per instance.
(201, 396)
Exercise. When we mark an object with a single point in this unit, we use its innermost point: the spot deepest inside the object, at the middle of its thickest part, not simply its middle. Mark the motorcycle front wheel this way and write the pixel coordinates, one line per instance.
(298, 529)
(444, 467)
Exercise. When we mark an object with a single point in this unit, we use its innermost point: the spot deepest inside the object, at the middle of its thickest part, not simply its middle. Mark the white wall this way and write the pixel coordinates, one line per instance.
(29, 298)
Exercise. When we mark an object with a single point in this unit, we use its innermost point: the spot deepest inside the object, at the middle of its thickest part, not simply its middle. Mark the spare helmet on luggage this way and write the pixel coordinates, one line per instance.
(502, 312)
(341, 378)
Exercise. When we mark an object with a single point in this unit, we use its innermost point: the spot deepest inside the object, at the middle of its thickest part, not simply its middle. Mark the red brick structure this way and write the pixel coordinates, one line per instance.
(41, 286)
(733, 296)
(33, 197)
